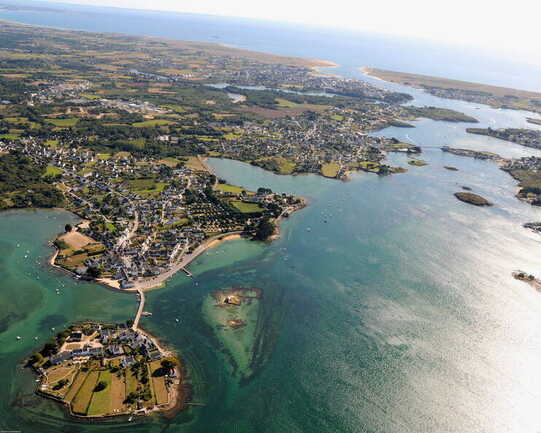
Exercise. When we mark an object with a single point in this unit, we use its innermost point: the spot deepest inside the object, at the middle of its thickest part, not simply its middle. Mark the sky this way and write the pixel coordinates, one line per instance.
(511, 28)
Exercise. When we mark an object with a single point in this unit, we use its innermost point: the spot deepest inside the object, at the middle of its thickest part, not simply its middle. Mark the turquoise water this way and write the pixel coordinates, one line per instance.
(398, 314)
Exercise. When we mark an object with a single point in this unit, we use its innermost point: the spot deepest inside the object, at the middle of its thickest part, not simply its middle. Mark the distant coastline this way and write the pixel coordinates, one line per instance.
(494, 96)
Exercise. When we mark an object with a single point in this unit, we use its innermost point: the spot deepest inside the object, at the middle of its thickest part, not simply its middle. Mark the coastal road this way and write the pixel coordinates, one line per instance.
(185, 261)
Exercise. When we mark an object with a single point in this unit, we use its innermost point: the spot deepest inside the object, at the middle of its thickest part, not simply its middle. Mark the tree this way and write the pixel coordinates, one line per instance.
(49, 349)
(37, 358)
(93, 272)
(100, 386)
(265, 230)
(68, 228)
(169, 363)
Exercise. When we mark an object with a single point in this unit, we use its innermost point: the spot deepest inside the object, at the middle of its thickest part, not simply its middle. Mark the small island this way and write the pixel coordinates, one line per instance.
(528, 278)
(98, 371)
(535, 227)
(417, 162)
(471, 198)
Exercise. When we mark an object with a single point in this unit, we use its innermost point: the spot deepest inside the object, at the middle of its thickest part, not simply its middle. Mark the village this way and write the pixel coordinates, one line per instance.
(101, 370)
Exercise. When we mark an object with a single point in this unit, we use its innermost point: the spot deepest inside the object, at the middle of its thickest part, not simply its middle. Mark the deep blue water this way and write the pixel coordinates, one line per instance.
(347, 48)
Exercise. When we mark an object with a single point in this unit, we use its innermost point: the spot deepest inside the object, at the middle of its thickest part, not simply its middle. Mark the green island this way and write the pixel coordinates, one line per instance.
(494, 96)
(471, 198)
(98, 371)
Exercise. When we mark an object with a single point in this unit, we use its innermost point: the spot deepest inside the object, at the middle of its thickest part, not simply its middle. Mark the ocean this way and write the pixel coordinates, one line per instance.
(388, 305)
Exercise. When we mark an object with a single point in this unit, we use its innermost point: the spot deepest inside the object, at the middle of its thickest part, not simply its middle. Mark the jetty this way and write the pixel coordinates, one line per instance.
(141, 293)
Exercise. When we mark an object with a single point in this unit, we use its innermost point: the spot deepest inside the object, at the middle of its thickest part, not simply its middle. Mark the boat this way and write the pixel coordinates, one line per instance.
(18, 337)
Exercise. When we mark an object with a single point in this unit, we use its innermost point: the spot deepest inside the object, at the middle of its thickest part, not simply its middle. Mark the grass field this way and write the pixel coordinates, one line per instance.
(51, 170)
(246, 207)
(229, 188)
(10, 136)
(64, 123)
(330, 169)
(170, 162)
(101, 400)
(289, 104)
(153, 122)
(176, 108)
(81, 401)
(131, 382)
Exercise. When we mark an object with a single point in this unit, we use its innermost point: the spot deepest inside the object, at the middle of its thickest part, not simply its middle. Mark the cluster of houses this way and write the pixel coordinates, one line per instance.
(312, 139)
(109, 343)
(145, 230)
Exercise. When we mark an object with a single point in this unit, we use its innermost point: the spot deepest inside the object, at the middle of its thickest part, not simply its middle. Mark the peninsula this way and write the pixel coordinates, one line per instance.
(524, 137)
(495, 96)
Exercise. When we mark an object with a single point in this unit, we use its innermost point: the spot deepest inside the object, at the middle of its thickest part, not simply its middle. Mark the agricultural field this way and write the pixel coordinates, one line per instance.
(64, 123)
(233, 189)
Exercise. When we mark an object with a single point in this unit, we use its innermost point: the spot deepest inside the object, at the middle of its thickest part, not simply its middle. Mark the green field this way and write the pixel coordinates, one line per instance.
(64, 123)
(10, 136)
(246, 207)
(101, 401)
(284, 103)
(154, 122)
(175, 108)
(51, 170)
(229, 188)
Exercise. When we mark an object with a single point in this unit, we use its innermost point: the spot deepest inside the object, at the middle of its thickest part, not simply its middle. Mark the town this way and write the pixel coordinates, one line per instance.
(145, 218)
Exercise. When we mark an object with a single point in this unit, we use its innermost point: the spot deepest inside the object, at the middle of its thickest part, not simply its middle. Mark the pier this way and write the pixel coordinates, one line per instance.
(141, 293)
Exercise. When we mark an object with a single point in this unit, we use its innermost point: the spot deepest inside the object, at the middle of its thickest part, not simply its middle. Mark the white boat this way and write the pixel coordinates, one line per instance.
(18, 337)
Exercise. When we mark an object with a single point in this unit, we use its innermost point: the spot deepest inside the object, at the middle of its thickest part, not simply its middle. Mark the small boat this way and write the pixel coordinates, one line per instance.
(18, 337)
(176, 320)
